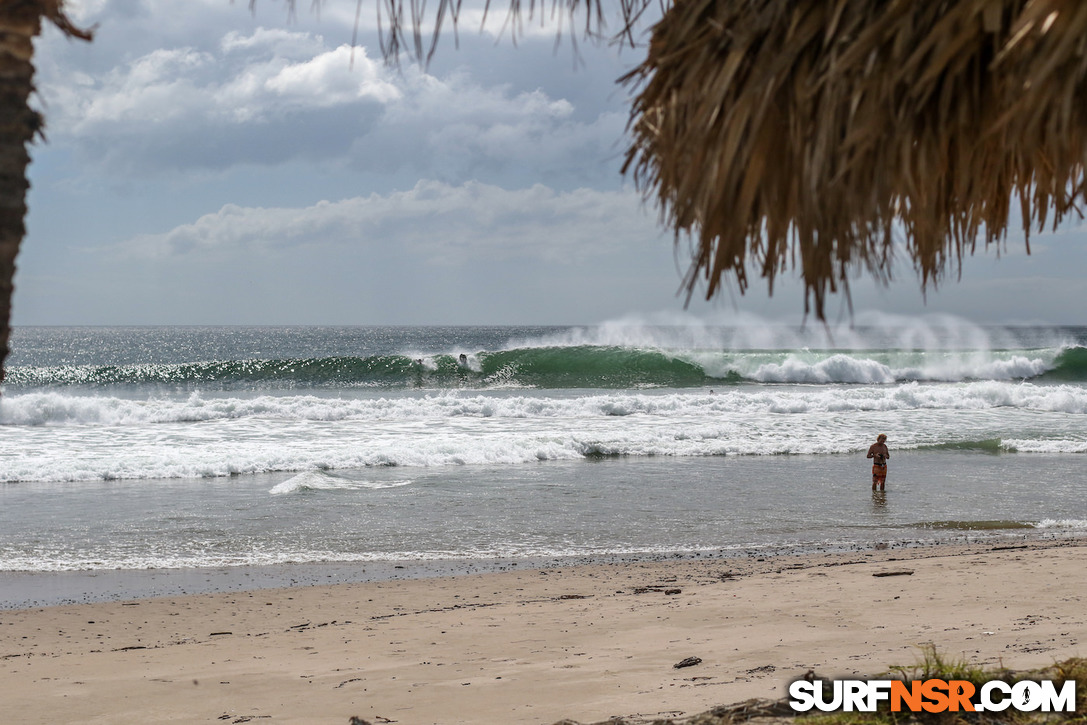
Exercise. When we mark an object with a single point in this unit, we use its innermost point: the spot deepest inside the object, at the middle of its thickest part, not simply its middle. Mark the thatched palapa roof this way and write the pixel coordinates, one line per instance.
(813, 133)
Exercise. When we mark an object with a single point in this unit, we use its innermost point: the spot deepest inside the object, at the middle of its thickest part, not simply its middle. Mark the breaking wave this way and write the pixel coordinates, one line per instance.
(63, 408)
(577, 367)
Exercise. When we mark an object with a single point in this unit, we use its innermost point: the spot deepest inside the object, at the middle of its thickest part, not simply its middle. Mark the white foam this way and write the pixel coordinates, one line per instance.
(321, 481)
(58, 409)
(1070, 524)
(1045, 445)
(835, 369)
(63, 561)
(192, 437)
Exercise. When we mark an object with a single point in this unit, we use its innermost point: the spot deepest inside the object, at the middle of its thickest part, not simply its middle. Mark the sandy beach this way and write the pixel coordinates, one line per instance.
(586, 643)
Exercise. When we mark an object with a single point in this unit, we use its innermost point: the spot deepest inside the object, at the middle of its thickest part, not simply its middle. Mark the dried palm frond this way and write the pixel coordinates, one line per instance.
(401, 23)
(777, 132)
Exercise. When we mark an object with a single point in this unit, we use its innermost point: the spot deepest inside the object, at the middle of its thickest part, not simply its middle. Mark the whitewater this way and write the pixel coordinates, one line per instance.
(144, 448)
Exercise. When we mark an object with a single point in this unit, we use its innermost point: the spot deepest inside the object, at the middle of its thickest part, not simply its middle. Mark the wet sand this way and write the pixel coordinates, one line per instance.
(535, 646)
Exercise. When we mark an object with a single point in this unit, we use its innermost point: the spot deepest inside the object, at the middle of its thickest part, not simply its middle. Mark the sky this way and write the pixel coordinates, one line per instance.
(209, 165)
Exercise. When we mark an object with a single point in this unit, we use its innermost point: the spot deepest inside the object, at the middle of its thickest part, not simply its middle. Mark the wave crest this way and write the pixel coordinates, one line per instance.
(577, 367)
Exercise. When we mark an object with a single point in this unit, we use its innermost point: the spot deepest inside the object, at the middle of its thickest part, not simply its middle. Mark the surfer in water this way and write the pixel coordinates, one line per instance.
(879, 453)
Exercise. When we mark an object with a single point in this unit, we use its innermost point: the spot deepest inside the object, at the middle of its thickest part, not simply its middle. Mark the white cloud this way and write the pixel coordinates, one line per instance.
(433, 222)
(273, 95)
(330, 80)
(285, 41)
(280, 72)
(154, 89)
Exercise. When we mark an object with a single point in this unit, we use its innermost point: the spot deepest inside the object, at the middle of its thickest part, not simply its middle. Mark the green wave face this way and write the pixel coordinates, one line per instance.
(589, 367)
(554, 367)
(580, 366)
(990, 445)
(1069, 366)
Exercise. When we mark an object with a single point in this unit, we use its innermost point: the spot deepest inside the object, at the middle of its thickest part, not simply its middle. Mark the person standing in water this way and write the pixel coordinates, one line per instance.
(879, 453)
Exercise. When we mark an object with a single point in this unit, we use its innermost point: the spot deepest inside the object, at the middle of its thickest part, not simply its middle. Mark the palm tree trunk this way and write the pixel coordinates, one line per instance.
(20, 21)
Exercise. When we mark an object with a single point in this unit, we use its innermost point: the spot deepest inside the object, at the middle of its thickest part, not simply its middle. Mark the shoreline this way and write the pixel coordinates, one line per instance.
(527, 646)
(33, 589)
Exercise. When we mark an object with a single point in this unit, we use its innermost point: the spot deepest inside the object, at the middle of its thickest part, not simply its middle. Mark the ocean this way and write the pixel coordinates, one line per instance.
(193, 450)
